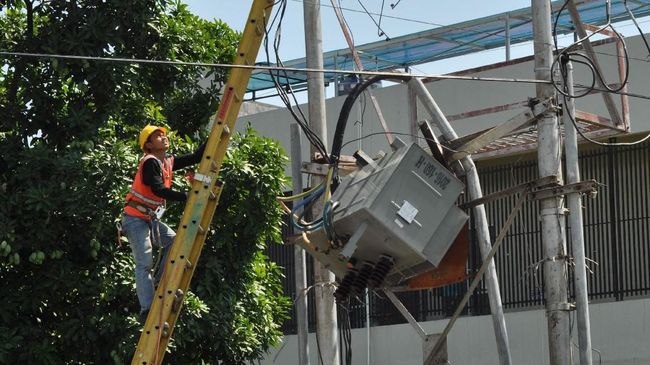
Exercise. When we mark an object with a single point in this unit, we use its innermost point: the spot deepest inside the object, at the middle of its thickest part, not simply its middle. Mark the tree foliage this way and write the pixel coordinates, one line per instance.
(67, 154)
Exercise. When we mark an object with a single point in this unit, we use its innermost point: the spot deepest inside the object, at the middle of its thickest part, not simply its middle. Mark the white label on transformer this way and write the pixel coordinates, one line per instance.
(408, 212)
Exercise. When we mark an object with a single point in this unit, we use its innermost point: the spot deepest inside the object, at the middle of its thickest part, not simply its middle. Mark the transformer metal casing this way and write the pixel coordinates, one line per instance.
(404, 206)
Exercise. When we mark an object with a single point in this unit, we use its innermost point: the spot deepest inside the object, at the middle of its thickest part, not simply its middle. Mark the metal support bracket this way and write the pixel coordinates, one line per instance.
(467, 145)
(588, 186)
(405, 312)
(477, 277)
(430, 342)
(543, 188)
(314, 168)
(346, 165)
(432, 142)
(566, 306)
(525, 187)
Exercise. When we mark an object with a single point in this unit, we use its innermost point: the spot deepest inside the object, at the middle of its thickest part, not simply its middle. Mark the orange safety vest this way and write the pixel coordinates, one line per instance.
(142, 194)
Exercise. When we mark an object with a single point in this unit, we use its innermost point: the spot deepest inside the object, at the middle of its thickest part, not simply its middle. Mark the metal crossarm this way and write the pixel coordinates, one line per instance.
(202, 201)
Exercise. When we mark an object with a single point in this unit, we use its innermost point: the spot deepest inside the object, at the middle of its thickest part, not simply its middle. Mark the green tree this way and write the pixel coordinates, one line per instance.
(67, 154)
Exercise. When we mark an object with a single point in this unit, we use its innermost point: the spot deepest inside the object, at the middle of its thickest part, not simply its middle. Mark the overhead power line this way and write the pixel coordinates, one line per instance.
(272, 68)
(292, 69)
(384, 15)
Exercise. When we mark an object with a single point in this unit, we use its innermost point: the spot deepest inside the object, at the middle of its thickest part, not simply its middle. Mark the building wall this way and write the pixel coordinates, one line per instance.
(620, 332)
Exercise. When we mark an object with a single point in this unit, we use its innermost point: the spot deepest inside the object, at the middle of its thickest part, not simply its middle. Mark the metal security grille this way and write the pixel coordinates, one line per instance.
(617, 238)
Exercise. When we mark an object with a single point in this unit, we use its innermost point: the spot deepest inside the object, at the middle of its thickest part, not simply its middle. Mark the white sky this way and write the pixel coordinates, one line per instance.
(408, 16)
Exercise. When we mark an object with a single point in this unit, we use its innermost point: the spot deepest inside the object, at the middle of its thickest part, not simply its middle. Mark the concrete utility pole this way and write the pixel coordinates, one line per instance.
(325, 306)
(551, 210)
(299, 254)
(575, 222)
(482, 229)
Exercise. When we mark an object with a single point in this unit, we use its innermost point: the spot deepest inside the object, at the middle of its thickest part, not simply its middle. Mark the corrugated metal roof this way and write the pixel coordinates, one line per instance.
(451, 41)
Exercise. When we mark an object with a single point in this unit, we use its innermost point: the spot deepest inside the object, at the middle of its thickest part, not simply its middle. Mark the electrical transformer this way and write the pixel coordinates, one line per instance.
(392, 219)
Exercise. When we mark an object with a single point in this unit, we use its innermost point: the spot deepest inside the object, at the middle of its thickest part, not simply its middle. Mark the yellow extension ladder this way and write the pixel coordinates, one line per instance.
(203, 199)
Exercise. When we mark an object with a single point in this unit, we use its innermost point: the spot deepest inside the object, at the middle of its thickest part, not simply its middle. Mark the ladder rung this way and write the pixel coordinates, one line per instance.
(226, 131)
(201, 229)
(165, 330)
(178, 299)
(188, 265)
(213, 166)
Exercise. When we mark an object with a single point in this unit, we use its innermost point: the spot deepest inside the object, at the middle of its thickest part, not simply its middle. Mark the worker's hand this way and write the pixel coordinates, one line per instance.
(189, 176)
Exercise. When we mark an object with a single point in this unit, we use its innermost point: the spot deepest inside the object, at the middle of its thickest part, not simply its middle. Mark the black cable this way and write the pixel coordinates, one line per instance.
(345, 113)
(617, 56)
(340, 328)
(364, 103)
(320, 355)
(345, 333)
(634, 95)
(449, 26)
(359, 123)
(399, 134)
(557, 21)
(312, 136)
(567, 55)
(374, 21)
(348, 338)
(627, 65)
(301, 119)
(575, 124)
(562, 61)
(349, 330)
(637, 26)
(381, 15)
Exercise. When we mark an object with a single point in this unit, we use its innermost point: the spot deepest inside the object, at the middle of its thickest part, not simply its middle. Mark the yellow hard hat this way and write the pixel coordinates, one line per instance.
(146, 132)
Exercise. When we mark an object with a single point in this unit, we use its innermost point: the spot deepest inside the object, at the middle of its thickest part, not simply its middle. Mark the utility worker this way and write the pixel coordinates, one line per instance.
(145, 204)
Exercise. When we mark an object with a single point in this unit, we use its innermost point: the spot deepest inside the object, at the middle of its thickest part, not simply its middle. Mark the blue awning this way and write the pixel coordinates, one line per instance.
(450, 41)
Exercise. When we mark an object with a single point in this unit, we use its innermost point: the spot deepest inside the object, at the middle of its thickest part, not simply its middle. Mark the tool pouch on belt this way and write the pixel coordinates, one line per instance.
(120, 233)
(158, 213)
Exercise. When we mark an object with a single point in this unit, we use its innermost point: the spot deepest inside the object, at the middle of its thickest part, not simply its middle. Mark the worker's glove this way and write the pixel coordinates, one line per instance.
(189, 176)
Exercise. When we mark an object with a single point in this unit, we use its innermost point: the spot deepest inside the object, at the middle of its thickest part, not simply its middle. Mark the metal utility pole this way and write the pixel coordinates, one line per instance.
(325, 307)
(299, 254)
(575, 222)
(551, 210)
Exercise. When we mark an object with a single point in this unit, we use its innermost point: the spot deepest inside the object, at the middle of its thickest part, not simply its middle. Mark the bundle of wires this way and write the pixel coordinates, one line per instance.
(297, 217)
(328, 211)
(285, 91)
(305, 200)
(345, 333)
